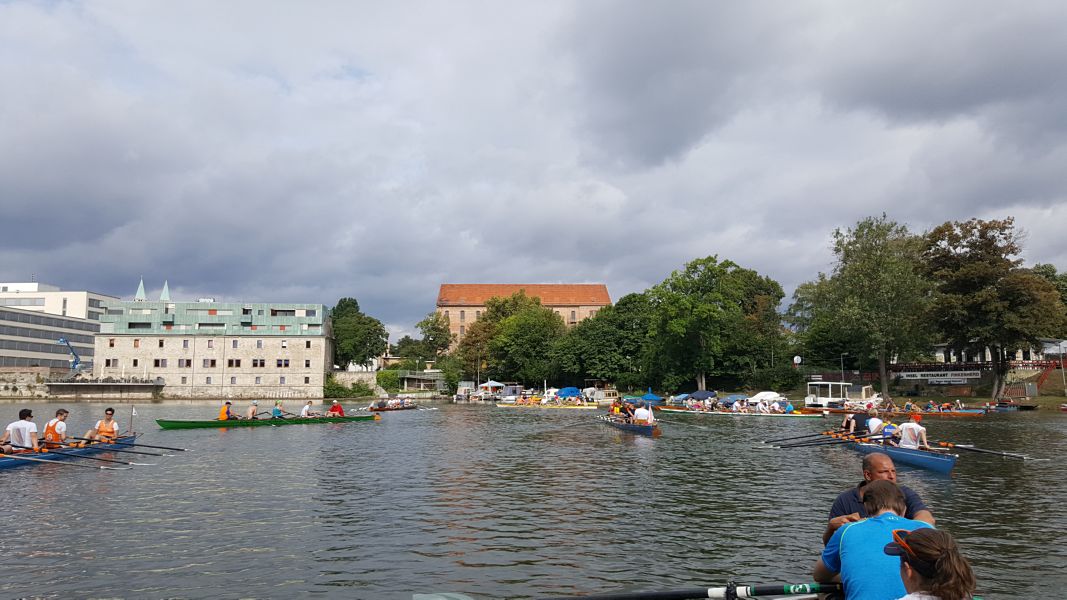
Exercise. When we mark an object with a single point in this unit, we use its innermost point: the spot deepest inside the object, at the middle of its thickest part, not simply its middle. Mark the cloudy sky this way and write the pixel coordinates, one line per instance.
(269, 151)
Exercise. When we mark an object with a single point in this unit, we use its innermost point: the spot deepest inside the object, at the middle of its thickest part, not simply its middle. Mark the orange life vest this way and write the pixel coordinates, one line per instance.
(51, 435)
(107, 431)
(224, 413)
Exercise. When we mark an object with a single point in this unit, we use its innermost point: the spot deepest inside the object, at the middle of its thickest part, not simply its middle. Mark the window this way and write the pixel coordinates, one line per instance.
(209, 363)
(135, 362)
(572, 316)
(136, 343)
(211, 343)
(259, 380)
(111, 362)
(307, 380)
(446, 314)
(233, 344)
(260, 312)
(184, 380)
(185, 344)
(462, 316)
(259, 343)
(283, 363)
(233, 363)
(307, 363)
(285, 343)
(160, 343)
(184, 363)
(311, 312)
(160, 363)
(281, 380)
(477, 314)
(233, 381)
(307, 344)
(461, 329)
(111, 342)
(207, 380)
(259, 362)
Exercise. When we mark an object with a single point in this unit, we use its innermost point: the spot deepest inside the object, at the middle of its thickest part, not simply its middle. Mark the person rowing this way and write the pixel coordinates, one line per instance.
(931, 566)
(226, 412)
(874, 424)
(848, 424)
(912, 435)
(848, 506)
(106, 429)
(20, 435)
(643, 415)
(55, 431)
(308, 413)
(277, 412)
(253, 410)
(336, 410)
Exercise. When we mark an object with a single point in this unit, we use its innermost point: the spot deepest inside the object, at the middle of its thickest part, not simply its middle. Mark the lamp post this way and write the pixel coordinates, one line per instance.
(843, 355)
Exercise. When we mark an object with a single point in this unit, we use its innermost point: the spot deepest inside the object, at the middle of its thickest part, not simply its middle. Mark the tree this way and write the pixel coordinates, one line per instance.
(473, 350)
(357, 337)
(984, 299)
(408, 347)
(520, 348)
(880, 290)
(1059, 280)
(610, 345)
(436, 335)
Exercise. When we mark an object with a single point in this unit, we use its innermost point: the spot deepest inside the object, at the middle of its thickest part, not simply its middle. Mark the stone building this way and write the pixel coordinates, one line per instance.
(209, 349)
(463, 303)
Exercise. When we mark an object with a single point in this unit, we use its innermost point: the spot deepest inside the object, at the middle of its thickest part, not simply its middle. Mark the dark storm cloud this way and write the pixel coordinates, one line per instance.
(256, 153)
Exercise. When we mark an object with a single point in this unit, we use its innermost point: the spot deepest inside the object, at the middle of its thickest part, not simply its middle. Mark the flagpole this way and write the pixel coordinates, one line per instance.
(133, 412)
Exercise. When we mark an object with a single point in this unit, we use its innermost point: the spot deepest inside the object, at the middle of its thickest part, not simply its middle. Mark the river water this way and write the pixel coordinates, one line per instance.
(498, 503)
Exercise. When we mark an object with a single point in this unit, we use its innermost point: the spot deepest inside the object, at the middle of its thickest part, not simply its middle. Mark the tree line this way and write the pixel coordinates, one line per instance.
(891, 295)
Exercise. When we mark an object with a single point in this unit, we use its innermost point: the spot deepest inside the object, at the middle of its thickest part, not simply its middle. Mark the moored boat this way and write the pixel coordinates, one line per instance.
(214, 423)
(728, 413)
(941, 462)
(376, 408)
(583, 406)
(6, 462)
(900, 414)
(652, 430)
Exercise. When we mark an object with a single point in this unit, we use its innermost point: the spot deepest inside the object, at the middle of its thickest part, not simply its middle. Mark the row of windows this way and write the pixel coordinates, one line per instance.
(207, 363)
(161, 343)
(221, 312)
(18, 361)
(22, 301)
(44, 334)
(46, 348)
(478, 314)
(47, 321)
(209, 380)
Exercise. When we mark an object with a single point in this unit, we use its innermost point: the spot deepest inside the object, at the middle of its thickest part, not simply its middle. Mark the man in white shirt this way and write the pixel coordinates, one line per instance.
(306, 412)
(21, 433)
(643, 415)
(912, 435)
(874, 424)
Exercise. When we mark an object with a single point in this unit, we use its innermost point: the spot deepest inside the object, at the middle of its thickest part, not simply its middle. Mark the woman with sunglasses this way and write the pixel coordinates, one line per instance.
(931, 566)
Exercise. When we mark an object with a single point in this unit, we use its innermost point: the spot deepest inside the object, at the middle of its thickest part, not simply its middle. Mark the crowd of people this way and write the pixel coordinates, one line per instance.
(911, 434)
(226, 412)
(22, 435)
(881, 543)
(638, 415)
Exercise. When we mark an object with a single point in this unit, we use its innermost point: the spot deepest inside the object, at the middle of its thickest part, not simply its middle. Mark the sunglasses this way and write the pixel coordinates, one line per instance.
(900, 537)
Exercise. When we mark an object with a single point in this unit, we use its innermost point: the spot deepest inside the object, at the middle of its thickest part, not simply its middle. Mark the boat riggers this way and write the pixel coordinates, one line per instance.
(60, 451)
(836, 438)
(59, 462)
(141, 445)
(984, 451)
(810, 435)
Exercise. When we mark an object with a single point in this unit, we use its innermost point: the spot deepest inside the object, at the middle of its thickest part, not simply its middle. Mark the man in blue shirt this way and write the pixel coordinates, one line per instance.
(848, 507)
(856, 550)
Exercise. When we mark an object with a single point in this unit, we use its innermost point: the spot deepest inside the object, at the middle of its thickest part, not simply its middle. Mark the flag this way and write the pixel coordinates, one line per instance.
(134, 411)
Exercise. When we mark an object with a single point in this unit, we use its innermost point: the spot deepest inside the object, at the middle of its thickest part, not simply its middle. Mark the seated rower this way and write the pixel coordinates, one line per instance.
(20, 435)
(628, 412)
(848, 424)
(336, 410)
(789, 408)
(106, 429)
(308, 413)
(909, 406)
(912, 435)
(874, 424)
(643, 415)
(55, 431)
(776, 407)
(277, 412)
(226, 412)
(253, 410)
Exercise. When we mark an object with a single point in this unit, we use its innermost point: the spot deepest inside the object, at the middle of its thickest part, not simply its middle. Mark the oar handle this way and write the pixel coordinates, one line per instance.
(141, 445)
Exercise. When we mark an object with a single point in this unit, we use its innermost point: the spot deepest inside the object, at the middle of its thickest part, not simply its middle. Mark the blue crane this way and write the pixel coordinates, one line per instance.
(77, 360)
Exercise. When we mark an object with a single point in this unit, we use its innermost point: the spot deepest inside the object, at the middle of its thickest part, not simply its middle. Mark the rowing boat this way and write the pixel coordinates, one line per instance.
(376, 408)
(649, 430)
(727, 413)
(585, 406)
(8, 463)
(941, 462)
(903, 415)
(214, 423)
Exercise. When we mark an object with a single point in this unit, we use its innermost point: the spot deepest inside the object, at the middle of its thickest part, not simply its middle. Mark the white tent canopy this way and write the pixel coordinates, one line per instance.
(488, 385)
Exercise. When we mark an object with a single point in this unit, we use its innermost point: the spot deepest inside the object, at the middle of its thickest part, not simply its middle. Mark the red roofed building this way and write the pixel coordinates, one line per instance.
(463, 303)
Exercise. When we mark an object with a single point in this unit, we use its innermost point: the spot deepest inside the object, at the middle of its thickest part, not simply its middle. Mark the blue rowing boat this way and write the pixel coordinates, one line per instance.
(618, 423)
(6, 462)
(941, 462)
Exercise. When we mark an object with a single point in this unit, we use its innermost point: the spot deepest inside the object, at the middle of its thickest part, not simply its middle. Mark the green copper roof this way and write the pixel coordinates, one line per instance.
(139, 297)
(164, 296)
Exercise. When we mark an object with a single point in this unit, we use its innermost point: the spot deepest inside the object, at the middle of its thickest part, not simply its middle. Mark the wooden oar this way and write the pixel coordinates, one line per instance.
(122, 451)
(141, 445)
(730, 591)
(797, 437)
(64, 463)
(111, 460)
(984, 451)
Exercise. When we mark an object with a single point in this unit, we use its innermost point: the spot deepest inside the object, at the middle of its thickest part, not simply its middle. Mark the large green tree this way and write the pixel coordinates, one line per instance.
(984, 299)
(436, 335)
(521, 347)
(611, 345)
(357, 337)
(473, 351)
(1059, 281)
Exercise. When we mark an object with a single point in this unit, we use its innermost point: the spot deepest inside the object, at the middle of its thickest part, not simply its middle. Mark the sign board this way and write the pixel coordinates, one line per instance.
(946, 381)
(940, 374)
(816, 377)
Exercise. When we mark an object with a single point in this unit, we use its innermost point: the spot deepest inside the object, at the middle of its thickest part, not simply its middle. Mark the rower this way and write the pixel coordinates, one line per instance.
(225, 412)
(874, 424)
(21, 433)
(931, 565)
(55, 431)
(912, 435)
(628, 412)
(307, 413)
(106, 429)
(336, 410)
(277, 412)
(643, 415)
(848, 424)
(910, 407)
(253, 410)
(789, 408)
(848, 507)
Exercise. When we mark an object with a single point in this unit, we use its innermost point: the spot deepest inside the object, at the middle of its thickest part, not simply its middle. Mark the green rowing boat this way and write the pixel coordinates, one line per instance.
(214, 423)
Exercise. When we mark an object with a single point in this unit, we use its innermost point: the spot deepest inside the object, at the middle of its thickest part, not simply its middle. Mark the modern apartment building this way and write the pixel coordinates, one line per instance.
(41, 297)
(209, 349)
(463, 303)
(31, 339)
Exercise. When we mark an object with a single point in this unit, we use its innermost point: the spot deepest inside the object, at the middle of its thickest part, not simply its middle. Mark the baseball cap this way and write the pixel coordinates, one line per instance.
(256, 402)
(899, 547)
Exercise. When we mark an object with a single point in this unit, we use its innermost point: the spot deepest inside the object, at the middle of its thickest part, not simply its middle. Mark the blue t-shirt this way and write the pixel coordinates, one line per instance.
(276, 412)
(857, 552)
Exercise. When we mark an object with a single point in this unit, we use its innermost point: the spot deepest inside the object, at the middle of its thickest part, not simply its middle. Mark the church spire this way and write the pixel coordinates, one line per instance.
(139, 297)
(164, 296)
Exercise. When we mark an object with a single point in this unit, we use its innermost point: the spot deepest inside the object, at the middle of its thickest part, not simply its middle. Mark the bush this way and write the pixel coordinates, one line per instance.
(389, 380)
(334, 389)
(779, 378)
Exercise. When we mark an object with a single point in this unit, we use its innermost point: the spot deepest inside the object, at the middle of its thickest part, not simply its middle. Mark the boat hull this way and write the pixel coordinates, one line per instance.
(214, 424)
(721, 413)
(10, 463)
(647, 430)
(588, 406)
(932, 461)
(390, 408)
(899, 414)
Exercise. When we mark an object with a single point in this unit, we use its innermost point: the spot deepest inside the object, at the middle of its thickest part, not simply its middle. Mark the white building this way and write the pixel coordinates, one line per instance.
(50, 299)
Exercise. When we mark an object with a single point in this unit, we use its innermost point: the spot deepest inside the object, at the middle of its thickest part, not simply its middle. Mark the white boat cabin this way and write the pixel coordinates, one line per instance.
(838, 394)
